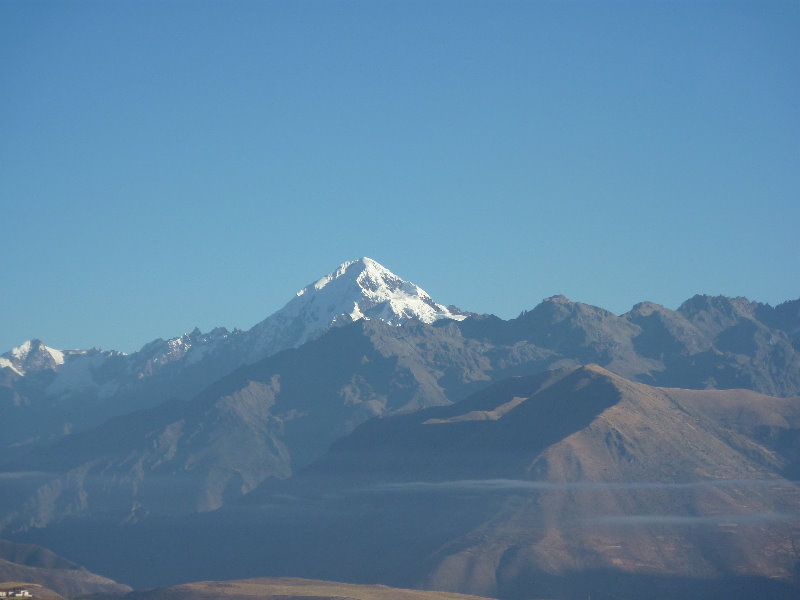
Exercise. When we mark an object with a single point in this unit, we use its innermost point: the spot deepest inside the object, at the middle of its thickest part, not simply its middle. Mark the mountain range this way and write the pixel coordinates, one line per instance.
(554, 452)
(563, 484)
(595, 472)
(47, 393)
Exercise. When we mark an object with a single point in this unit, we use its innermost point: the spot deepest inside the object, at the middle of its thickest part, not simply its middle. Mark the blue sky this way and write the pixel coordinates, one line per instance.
(172, 164)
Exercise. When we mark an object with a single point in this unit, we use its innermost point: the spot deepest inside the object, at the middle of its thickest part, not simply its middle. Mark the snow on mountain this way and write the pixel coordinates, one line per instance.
(5, 363)
(359, 289)
(78, 374)
(190, 348)
(31, 355)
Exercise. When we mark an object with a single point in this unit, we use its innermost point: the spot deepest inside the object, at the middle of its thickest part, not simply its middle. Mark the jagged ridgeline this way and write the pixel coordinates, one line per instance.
(186, 434)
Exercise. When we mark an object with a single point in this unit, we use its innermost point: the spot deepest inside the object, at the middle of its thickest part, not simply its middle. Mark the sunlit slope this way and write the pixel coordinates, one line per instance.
(289, 589)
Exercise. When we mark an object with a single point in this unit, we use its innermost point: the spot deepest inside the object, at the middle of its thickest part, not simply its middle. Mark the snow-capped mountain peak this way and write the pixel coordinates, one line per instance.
(31, 355)
(359, 289)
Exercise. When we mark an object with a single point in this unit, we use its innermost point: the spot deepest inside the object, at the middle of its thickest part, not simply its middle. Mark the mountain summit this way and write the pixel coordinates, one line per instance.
(32, 355)
(359, 289)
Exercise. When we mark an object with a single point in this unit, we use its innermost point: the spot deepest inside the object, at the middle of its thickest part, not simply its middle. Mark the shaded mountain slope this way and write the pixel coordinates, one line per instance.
(30, 555)
(709, 342)
(784, 316)
(33, 564)
(473, 439)
(616, 483)
(267, 419)
(46, 394)
(261, 421)
(562, 484)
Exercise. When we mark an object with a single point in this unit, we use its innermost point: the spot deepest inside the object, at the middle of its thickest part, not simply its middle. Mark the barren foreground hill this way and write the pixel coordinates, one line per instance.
(47, 575)
(289, 589)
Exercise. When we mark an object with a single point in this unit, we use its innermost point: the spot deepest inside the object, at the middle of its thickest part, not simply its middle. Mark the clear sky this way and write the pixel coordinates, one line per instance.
(172, 164)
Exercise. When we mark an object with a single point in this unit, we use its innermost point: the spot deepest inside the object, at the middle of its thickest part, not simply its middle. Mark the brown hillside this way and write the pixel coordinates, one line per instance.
(49, 575)
(663, 483)
(289, 589)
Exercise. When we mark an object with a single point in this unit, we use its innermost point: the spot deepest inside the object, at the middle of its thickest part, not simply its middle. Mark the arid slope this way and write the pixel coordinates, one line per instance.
(665, 483)
(288, 589)
(50, 575)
